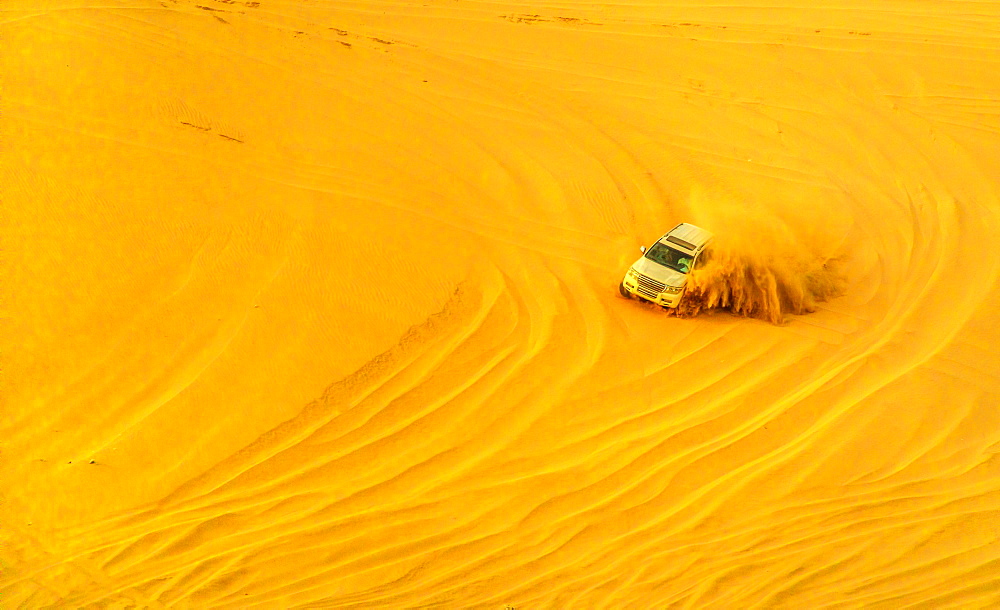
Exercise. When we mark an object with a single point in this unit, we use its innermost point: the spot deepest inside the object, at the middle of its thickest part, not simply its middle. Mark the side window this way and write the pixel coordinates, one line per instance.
(703, 258)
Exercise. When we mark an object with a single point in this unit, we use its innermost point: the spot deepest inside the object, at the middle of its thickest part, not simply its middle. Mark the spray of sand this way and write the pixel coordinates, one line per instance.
(766, 264)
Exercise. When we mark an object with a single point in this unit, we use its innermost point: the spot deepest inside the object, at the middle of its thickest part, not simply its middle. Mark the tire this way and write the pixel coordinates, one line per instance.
(624, 293)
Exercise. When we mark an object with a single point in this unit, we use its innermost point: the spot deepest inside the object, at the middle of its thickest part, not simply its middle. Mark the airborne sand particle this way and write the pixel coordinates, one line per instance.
(766, 289)
(766, 262)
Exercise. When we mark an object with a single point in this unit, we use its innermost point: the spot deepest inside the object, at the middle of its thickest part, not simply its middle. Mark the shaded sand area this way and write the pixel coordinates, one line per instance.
(313, 305)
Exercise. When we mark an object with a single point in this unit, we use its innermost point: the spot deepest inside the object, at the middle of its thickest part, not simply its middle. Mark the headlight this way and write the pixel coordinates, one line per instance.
(632, 274)
(674, 289)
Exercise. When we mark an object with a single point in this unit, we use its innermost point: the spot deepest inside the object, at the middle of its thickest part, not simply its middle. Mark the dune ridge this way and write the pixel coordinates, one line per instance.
(314, 305)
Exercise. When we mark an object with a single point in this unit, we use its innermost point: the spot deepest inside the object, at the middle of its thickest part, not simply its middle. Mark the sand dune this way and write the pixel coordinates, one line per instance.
(313, 304)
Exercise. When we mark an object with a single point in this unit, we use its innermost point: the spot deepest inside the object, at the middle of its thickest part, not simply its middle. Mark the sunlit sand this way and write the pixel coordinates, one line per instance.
(314, 305)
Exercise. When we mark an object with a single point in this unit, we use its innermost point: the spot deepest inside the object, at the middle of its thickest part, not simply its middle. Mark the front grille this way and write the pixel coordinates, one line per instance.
(649, 286)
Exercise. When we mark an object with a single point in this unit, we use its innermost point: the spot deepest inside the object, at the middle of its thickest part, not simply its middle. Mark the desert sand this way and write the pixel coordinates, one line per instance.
(314, 305)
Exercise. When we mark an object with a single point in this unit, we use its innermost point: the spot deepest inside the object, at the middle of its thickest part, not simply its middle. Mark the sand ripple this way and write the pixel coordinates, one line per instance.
(314, 305)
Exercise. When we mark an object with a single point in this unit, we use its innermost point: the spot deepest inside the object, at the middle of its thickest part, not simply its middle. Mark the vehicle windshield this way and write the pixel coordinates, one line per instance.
(669, 257)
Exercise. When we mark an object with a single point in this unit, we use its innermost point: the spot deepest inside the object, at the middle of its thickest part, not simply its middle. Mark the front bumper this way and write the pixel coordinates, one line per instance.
(663, 299)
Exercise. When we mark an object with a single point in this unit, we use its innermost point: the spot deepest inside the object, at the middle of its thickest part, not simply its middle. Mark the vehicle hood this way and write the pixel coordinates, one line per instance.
(659, 273)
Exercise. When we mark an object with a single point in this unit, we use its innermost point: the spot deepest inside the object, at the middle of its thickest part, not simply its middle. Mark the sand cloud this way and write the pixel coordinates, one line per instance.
(764, 264)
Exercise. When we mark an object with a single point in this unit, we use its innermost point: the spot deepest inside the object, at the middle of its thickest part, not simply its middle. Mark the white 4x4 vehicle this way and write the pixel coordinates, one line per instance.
(660, 275)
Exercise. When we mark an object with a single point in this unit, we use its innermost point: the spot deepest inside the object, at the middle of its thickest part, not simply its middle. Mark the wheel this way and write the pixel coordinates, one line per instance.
(624, 293)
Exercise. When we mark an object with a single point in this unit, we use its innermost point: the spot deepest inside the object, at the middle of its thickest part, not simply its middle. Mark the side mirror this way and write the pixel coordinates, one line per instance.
(642, 249)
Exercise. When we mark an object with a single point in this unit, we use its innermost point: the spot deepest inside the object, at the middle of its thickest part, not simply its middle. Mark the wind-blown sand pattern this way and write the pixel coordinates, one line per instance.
(313, 305)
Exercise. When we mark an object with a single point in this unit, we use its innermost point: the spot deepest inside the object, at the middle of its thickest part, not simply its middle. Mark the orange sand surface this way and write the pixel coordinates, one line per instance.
(314, 305)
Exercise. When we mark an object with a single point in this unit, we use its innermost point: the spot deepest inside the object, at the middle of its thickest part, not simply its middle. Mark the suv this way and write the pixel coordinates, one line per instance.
(659, 276)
